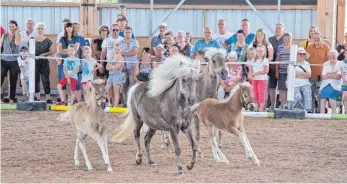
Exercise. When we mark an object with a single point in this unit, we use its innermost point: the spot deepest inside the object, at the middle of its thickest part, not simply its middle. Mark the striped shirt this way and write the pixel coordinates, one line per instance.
(130, 60)
(283, 55)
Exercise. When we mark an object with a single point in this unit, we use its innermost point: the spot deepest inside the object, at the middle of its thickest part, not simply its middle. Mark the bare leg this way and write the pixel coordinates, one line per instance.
(322, 106)
(137, 139)
(109, 93)
(345, 101)
(72, 100)
(148, 138)
(80, 137)
(177, 151)
(116, 91)
(272, 96)
(61, 93)
(188, 132)
(283, 97)
(333, 106)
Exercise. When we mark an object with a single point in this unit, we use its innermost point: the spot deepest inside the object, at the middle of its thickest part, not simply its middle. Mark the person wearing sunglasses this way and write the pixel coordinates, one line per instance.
(107, 51)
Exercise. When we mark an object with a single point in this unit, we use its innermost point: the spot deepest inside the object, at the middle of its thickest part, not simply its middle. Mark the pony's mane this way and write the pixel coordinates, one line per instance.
(235, 89)
(213, 51)
(173, 67)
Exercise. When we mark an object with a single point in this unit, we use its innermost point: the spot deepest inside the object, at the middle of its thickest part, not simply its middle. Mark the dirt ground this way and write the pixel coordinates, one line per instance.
(36, 148)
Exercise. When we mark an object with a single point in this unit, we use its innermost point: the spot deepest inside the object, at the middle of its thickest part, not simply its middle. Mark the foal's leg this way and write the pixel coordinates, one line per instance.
(148, 138)
(102, 143)
(218, 155)
(137, 139)
(80, 139)
(177, 151)
(188, 132)
(196, 124)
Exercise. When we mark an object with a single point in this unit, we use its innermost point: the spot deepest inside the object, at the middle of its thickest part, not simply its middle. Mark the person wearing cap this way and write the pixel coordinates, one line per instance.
(330, 89)
(302, 86)
(204, 43)
(123, 23)
(160, 39)
(10, 43)
(318, 51)
(23, 63)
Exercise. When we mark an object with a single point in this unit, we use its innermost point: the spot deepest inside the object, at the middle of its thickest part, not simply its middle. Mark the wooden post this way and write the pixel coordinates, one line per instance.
(89, 18)
(341, 20)
(327, 20)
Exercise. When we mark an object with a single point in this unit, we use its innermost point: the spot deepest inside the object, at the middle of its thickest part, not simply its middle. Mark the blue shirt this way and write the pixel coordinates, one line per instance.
(130, 60)
(66, 44)
(233, 39)
(156, 41)
(121, 34)
(71, 64)
(201, 45)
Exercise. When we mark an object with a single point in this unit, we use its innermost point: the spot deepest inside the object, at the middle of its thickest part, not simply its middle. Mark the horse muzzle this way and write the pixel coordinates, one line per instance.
(223, 74)
(251, 107)
(191, 101)
(102, 105)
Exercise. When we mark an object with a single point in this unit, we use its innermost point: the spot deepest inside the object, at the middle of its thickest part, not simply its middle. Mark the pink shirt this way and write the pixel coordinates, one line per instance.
(233, 73)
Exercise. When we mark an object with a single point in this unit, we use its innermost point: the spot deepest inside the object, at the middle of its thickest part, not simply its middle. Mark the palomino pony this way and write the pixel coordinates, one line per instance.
(89, 118)
(163, 103)
(228, 116)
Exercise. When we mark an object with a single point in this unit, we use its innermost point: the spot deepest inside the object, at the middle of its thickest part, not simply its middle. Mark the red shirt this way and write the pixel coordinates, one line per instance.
(2, 30)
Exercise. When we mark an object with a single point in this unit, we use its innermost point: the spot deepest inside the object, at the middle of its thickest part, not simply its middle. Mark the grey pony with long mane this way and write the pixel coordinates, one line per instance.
(163, 103)
(207, 84)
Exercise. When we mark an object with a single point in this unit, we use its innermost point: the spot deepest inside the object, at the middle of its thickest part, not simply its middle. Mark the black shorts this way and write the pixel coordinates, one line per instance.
(282, 81)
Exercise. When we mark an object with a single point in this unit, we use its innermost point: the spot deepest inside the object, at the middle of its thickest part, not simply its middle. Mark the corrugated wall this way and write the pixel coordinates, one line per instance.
(51, 16)
(297, 22)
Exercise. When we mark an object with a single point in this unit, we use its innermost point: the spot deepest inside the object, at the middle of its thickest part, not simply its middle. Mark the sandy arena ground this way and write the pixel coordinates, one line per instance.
(36, 148)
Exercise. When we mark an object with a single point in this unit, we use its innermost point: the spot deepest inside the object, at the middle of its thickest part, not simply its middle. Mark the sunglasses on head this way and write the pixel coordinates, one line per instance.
(114, 30)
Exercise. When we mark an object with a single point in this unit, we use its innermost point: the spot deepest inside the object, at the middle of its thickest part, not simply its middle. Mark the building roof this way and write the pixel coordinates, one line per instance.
(222, 2)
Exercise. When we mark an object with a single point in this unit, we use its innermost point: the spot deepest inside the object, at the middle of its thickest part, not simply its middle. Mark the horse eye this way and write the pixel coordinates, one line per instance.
(183, 80)
(213, 61)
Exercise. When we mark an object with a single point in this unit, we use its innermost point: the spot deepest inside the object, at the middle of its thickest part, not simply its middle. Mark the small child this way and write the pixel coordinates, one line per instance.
(234, 77)
(344, 80)
(251, 53)
(23, 63)
(71, 68)
(258, 75)
(123, 12)
(116, 77)
(88, 69)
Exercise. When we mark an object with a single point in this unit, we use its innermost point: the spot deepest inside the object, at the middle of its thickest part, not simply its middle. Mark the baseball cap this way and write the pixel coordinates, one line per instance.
(163, 24)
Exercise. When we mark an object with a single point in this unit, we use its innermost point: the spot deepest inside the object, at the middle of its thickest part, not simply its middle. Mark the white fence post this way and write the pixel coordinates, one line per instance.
(291, 76)
(32, 70)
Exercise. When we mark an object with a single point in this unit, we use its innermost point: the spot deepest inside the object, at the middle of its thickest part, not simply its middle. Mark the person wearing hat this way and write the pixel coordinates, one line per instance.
(160, 39)
(302, 85)
(23, 63)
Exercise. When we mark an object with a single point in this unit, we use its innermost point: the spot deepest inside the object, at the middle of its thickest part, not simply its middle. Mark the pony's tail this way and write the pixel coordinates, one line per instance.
(194, 108)
(129, 123)
(64, 117)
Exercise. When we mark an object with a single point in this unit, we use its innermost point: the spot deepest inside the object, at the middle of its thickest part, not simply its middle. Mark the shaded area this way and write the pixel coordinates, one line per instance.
(36, 148)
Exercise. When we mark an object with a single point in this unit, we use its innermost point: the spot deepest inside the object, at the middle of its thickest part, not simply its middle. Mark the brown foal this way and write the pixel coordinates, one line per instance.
(227, 115)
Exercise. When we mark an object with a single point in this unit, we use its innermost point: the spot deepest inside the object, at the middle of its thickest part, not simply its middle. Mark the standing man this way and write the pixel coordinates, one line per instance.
(129, 49)
(107, 46)
(10, 43)
(222, 33)
(207, 41)
(28, 33)
(160, 39)
(249, 37)
(319, 54)
(275, 41)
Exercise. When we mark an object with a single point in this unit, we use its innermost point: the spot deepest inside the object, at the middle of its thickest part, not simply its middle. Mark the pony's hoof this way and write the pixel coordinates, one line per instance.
(153, 166)
(191, 166)
(256, 162)
(77, 166)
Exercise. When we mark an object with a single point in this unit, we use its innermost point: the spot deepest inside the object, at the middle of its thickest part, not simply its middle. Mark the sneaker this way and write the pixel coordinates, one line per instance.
(6, 100)
(60, 103)
(49, 101)
(58, 100)
(14, 100)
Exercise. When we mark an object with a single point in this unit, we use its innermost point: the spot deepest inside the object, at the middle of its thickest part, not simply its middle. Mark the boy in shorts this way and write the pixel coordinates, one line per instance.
(23, 63)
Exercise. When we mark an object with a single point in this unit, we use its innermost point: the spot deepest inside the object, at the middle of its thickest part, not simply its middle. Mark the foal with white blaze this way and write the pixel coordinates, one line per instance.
(227, 115)
(89, 118)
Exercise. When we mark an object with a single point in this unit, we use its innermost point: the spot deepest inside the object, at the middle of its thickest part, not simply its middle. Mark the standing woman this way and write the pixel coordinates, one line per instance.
(43, 47)
(181, 44)
(283, 55)
(9, 44)
(261, 39)
(312, 31)
(97, 43)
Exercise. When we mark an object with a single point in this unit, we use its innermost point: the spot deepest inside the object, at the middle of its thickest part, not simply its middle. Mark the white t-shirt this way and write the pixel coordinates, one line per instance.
(327, 68)
(108, 43)
(221, 38)
(301, 82)
(24, 63)
(26, 37)
(258, 66)
(87, 69)
(344, 69)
